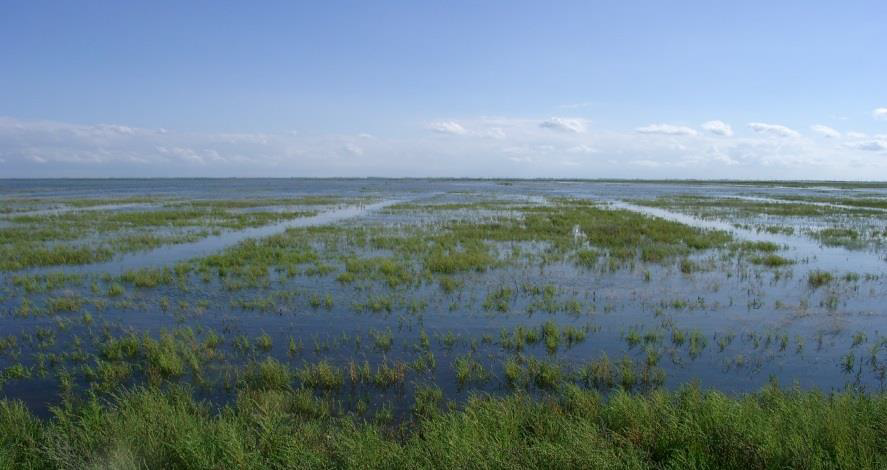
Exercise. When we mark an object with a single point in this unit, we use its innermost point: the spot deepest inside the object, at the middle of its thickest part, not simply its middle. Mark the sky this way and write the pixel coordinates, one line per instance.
(585, 89)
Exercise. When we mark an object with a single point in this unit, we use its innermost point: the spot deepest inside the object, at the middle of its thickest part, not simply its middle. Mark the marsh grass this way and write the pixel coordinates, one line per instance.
(79, 238)
(264, 342)
(148, 277)
(321, 375)
(469, 370)
(16, 256)
(268, 374)
(382, 340)
(770, 260)
(587, 258)
(732, 206)
(499, 300)
(818, 279)
(153, 428)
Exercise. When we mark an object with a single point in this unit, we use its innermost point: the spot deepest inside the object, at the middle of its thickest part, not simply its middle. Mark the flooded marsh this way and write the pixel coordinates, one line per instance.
(389, 301)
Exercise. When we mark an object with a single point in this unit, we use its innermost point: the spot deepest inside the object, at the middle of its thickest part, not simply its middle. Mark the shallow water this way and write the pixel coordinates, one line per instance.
(101, 207)
(809, 203)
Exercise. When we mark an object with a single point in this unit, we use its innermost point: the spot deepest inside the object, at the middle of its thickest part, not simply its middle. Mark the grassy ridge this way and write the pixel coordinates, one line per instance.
(150, 428)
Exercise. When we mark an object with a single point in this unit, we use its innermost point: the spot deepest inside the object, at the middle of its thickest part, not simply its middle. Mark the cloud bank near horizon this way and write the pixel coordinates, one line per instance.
(550, 147)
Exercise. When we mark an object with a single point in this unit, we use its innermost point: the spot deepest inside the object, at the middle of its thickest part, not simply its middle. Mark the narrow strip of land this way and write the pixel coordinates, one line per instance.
(170, 254)
(814, 254)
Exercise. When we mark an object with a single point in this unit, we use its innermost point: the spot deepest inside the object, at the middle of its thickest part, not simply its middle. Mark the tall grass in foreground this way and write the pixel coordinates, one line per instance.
(151, 428)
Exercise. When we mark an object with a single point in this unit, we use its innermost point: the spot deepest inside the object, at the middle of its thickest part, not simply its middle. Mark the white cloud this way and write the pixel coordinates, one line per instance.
(869, 145)
(646, 163)
(494, 133)
(489, 146)
(855, 135)
(475, 129)
(718, 128)
(581, 149)
(183, 153)
(447, 127)
(574, 125)
(666, 129)
(115, 129)
(723, 158)
(773, 129)
(352, 149)
(825, 131)
(880, 113)
(521, 159)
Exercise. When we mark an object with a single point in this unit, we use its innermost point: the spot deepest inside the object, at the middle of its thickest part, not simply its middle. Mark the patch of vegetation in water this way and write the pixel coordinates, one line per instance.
(771, 260)
(708, 206)
(73, 238)
(860, 202)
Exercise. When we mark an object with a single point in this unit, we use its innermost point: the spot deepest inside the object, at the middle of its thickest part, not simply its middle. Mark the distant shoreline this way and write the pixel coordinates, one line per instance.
(490, 179)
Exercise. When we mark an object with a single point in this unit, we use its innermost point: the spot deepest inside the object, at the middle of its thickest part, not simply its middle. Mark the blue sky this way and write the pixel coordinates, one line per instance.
(789, 89)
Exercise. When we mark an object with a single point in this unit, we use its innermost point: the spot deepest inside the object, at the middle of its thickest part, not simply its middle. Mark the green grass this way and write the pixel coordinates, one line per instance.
(770, 260)
(153, 428)
(264, 342)
(587, 258)
(393, 272)
(449, 284)
(875, 203)
(382, 340)
(499, 300)
(468, 246)
(322, 375)
(20, 255)
(449, 259)
(148, 277)
(87, 237)
(720, 206)
(266, 202)
(818, 279)
(268, 375)
(469, 370)
(759, 246)
(545, 375)
(840, 236)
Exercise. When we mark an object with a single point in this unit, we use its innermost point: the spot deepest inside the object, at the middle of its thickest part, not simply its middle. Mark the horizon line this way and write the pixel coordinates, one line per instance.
(444, 178)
